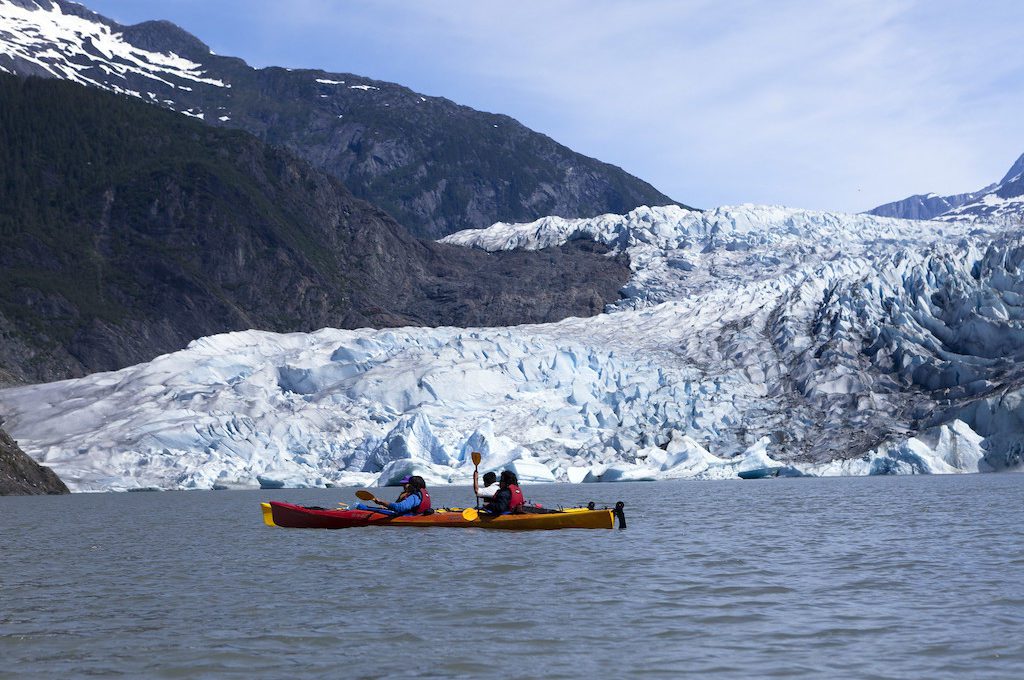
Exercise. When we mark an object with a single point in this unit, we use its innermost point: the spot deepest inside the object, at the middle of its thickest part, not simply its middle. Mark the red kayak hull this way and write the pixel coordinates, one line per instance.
(301, 517)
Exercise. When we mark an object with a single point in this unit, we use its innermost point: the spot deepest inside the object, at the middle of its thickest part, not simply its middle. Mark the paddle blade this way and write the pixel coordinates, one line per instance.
(470, 515)
(476, 457)
(364, 495)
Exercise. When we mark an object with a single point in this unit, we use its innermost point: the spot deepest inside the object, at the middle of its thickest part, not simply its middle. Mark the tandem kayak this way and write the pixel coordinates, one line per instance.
(277, 514)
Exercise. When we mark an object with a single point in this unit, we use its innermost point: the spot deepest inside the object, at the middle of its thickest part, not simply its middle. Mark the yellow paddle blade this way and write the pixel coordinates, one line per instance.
(470, 515)
(365, 495)
(476, 457)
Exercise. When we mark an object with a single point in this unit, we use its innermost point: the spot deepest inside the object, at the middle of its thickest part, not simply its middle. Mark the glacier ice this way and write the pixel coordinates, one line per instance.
(747, 337)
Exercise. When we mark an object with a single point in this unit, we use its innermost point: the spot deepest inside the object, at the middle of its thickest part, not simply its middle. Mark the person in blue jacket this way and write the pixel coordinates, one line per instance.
(414, 499)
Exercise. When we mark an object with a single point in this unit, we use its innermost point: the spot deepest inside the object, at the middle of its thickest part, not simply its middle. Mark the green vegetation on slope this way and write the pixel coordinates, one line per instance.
(128, 231)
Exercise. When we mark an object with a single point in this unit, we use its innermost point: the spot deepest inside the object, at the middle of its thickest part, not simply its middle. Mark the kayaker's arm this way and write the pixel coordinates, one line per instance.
(500, 503)
(408, 504)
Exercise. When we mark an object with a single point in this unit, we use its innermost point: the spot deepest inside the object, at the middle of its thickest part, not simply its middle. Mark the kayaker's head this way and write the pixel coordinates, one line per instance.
(490, 478)
(416, 483)
(508, 477)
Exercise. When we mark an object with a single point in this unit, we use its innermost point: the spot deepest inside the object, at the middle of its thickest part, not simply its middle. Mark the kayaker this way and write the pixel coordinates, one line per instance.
(509, 497)
(490, 486)
(414, 499)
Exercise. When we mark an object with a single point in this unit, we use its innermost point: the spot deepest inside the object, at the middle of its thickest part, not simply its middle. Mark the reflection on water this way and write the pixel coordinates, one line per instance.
(856, 577)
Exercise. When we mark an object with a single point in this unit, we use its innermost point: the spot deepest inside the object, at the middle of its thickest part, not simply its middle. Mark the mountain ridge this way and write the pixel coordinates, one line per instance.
(999, 201)
(436, 166)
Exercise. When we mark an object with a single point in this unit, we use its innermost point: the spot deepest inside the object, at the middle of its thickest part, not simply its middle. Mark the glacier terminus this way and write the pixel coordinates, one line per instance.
(747, 337)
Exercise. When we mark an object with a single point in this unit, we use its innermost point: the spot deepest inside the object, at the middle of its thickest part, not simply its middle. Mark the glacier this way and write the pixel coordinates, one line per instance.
(747, 337)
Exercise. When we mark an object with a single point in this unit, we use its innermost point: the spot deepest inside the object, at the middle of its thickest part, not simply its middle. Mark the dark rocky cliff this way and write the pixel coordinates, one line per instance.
(128, 231)
(22, 476)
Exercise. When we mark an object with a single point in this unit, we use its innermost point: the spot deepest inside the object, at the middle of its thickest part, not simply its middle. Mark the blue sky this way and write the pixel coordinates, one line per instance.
(831, 104)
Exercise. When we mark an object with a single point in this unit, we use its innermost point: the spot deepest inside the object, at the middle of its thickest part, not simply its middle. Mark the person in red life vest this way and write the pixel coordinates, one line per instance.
(509, 497)
(414, 499)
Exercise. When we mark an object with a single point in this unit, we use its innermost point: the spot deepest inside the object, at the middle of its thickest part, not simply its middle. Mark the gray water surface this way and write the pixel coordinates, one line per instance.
(900, 577)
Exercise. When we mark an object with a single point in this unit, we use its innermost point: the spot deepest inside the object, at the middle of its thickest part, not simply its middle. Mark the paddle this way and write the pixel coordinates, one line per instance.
(365, 495)
(476, 468)
(470, 514)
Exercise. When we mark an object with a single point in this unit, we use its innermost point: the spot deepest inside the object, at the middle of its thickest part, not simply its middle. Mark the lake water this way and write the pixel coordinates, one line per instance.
(897, 577)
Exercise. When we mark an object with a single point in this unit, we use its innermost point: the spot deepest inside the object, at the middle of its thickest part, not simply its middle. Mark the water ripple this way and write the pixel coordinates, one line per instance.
(865, 578)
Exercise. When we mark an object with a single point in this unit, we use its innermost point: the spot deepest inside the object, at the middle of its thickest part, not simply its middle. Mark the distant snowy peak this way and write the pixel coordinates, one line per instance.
(925, 206)
(1015, 173)
(1004, 204)
(156, 61)
(64, 40)
(1000, 203)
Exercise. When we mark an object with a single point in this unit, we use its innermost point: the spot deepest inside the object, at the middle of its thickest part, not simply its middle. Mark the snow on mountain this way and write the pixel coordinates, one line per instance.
(1005, 204)
(50, 41)
(379, 138)
(999, 203)
(926, 206)
(749, 337)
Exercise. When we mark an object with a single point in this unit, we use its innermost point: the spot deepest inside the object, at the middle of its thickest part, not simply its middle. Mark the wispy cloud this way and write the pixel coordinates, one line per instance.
(842, 104)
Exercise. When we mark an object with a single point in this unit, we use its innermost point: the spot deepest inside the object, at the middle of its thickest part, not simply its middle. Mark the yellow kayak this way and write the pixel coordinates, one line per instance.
(277, 514)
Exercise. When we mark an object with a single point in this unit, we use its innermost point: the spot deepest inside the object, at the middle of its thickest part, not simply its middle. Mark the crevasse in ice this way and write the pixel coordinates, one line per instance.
(747, 337)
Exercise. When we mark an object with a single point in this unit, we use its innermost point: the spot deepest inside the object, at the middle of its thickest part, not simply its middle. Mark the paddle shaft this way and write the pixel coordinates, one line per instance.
(476, 476)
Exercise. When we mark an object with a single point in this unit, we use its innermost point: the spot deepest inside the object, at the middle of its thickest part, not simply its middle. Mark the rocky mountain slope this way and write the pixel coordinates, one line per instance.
(128, 231)
(1002, 201)
(22, 476)
(435, 166)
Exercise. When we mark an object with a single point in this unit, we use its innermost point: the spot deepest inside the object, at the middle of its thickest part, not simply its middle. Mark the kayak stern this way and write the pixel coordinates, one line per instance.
(268, 514)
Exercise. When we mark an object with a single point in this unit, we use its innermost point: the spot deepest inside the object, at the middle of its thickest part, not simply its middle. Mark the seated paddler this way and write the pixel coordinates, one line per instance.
(509, 497)
(414, 499)
(490, 487)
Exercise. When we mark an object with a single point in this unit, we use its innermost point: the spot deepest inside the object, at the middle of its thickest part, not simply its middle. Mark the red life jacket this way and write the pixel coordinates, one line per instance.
(517, 501)
(424, 502)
